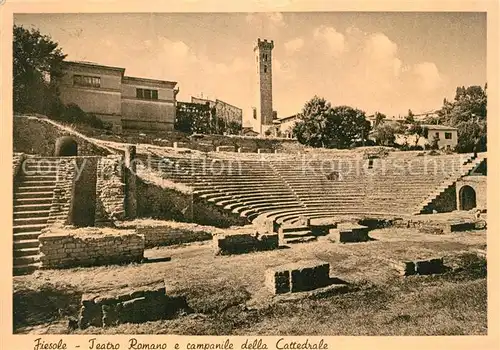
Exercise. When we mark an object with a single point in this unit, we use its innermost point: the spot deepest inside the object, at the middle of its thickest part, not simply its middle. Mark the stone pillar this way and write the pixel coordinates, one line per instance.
(130, 183)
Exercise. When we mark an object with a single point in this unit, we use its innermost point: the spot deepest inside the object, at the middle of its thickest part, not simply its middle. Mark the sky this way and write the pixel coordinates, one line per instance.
(387, 62)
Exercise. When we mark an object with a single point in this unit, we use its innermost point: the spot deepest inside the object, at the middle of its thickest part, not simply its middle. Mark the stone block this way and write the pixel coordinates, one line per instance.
(428, 267)
(240, 243)
(405, 268)
(277, 281)
(310, 275)
(349, 233)
(90, 314)
(301, 276)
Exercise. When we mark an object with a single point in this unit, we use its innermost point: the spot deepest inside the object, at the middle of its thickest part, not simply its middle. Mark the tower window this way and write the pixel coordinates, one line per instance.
(265, 69)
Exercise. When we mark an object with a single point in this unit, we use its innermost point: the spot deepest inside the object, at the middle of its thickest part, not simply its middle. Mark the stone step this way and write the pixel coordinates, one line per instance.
(38, 183)
(26, 244)
(31, 171)
(33, 251)
(39, 178)
(31, 207)
(301, 233)
(25, 269)
(23, 189)
(31, 221)
(28, 228)
(300, 239)
(26, 260)
(287, 229)
(31, 214)
(33, 201)
(33, 194)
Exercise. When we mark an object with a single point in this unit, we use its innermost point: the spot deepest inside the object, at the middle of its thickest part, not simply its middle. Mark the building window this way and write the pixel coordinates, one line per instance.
(437, 135)
(147, 94)
(254, 110)
(447, 135)
(84, 80)
(265, 69)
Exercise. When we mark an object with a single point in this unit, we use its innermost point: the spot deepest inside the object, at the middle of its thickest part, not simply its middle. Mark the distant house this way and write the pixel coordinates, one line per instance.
(225, 112)
(286, 125)
(125, 102)
(447, 136)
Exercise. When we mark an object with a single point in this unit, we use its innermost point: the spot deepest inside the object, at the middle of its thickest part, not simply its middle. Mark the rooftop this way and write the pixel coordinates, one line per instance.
(151, 81)
(438, 127)
(93, 64)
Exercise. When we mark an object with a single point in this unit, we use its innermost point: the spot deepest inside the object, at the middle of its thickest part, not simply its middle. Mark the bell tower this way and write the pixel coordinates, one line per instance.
(264, 104)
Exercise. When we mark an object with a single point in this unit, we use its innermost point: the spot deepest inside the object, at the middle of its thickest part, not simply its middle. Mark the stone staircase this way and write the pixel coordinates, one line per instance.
(296, 234)
(33, 193)
(467, 167)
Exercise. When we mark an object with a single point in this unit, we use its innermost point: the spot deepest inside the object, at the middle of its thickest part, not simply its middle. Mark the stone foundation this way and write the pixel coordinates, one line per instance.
(348, 233)
(301, 276)
(419, 267)
(164, 233)
(244, 242)
(126, 306)
(68, 247)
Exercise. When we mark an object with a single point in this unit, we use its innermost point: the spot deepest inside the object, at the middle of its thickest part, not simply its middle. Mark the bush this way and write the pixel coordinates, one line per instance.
(73, 114)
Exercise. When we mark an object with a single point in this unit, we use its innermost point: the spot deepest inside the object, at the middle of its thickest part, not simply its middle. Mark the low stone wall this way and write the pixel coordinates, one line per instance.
(443, 227)
(129, 306)
(17, 161)
(62, 247)
(224, 149)
(244, 242)
(301, 276)
(165, 233)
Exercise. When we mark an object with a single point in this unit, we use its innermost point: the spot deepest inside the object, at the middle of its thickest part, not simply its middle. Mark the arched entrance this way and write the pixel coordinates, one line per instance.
(467, 198)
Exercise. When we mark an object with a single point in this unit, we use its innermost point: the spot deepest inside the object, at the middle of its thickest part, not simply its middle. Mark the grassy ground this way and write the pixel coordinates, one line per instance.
(228, 297)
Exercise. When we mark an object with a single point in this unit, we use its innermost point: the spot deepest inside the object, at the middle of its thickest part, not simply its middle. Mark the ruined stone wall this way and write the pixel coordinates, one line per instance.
(110, 190)
(17, 161)
(165, 235)
(111, 308)
(33, 135)
(156, 202)
(67, 247)
(63, 193)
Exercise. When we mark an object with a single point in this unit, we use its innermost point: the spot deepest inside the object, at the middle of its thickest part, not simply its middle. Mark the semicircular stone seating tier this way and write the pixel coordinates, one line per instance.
(287, 188)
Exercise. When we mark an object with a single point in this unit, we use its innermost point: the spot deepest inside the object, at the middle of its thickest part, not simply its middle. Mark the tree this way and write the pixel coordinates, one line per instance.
(385, 134)
(36, 65)
(415, 129)
(311, 127)
(379, 119)
(320, 125)
(467, 112)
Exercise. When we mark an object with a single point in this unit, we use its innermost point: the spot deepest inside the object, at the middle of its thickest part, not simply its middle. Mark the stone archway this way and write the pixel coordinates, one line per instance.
(467, 197)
